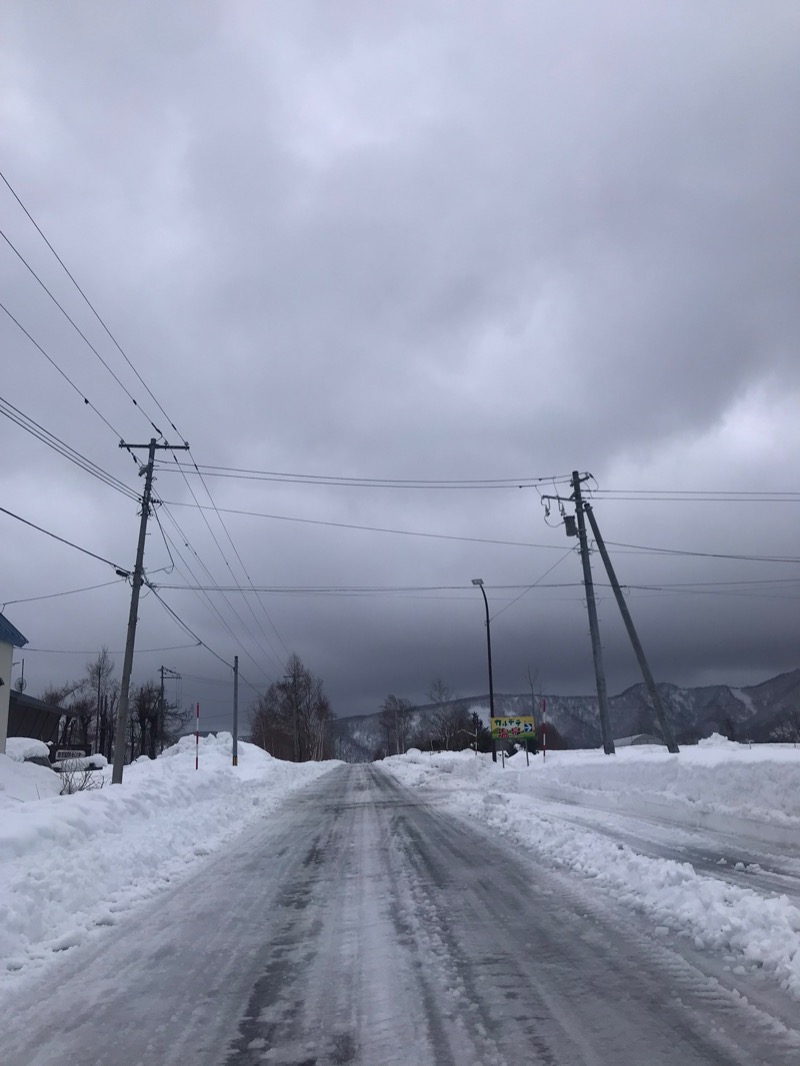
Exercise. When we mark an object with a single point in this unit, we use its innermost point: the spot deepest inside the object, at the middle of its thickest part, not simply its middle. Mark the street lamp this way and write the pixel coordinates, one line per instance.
(479, 582)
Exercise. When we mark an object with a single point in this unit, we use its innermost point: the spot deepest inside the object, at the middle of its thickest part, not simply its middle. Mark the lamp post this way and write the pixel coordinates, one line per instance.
(479, 582)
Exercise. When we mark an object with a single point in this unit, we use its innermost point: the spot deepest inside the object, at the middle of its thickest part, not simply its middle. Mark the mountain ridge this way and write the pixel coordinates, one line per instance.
(740, 713)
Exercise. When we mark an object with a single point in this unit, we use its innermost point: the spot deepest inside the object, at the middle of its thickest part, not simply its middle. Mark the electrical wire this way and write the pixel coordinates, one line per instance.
(184, 626)
(267, 640)
(78, 330)
(176, 617)
(89, 304)
(241, 473)
(93, 651)
(215, 586)
(696, 496)
(63, 374)
(14, 414)
(56, 595)
(63, 540)
(129, 394)
(525, 591)
(373, 529)
(647, 550)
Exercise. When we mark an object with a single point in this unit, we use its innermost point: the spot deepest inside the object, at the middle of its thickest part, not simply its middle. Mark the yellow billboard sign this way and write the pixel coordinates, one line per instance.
(513, 728)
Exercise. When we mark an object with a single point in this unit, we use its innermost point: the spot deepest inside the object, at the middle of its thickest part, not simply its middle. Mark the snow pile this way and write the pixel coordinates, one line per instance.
(751, 793)
(70, 863)
(717, 784)
(21, 782)
(21, 748)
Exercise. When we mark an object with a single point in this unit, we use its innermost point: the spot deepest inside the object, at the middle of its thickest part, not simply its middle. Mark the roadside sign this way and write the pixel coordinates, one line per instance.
(513, 728)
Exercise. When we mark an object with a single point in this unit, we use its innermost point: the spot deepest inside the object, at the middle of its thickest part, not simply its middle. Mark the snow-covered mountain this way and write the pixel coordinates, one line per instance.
(738, 713)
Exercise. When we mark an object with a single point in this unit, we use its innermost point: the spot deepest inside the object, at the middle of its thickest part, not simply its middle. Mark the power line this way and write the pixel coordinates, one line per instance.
(63, 374)
(184, 626)
(242, 473)
(129, 394)
(371, 529)
(696, 496)
(645, 550)
(93, 651)
(526, 590)
(56, 595)
(238, 556)
(120, 570)
(14, 414)
(91, 307)
(191, 633)
(78, 330)
(216, 587)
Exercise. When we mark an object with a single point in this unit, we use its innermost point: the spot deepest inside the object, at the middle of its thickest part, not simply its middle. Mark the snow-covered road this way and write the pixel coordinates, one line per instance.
(362, 923)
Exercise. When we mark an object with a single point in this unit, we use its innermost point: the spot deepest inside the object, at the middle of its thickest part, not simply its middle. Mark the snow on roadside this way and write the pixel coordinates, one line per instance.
(71, 863)
(727, 785)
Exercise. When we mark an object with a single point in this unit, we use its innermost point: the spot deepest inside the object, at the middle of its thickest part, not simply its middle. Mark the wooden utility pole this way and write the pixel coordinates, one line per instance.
(136, 584)
(599, 669)
(658, 707)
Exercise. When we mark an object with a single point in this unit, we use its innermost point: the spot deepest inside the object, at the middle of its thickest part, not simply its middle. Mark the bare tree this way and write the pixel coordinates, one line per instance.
(146, 704)
(396, 715)
(787, 731)
(451, 722)
(291, 720)
(99, 684)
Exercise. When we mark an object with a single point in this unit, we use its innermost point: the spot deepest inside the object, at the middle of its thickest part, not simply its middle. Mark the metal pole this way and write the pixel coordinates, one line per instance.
(236, 710)
(658, 706)
(599, 670)
(136, 584)
(479, 582)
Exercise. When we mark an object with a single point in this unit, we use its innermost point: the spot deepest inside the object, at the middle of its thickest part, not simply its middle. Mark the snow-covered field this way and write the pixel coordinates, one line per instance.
(71, 864)
(576, 808)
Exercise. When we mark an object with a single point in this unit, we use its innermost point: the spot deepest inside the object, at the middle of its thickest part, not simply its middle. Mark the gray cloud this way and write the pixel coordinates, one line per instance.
(408, 241)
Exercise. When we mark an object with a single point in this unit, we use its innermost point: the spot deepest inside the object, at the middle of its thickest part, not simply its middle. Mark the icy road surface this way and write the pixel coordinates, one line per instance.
(362, 925)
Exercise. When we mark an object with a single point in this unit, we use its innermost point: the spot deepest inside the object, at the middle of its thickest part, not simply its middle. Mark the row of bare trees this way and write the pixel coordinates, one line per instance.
(153, 722)
(292, 719)
(446, 724)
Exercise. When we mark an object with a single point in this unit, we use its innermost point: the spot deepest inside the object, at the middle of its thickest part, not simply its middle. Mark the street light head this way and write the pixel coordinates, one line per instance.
(477, 581)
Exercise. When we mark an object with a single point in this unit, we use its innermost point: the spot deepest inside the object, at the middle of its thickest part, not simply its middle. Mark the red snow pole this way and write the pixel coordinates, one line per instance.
(197, 737)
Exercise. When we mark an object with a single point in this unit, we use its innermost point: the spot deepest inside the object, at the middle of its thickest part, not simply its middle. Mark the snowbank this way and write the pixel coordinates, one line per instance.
(749, 793)
(71, 863)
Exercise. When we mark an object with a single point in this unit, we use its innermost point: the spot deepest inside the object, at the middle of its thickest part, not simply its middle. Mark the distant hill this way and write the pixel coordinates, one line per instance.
(739, 713)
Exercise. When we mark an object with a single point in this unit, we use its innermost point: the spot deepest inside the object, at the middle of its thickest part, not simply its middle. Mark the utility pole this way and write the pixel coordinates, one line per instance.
(236, 710)
(162, 705)
(658, 707)
(599, 670)
(136, 584)
(161, 715)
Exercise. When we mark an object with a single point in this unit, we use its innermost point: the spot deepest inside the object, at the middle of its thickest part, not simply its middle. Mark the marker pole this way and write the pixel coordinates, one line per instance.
(544, 730)
(197, 737)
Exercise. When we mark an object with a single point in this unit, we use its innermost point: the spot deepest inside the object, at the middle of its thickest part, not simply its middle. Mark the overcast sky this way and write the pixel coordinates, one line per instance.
(429, 241)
